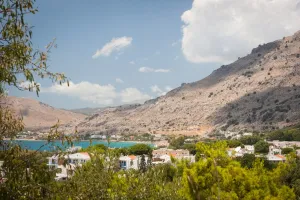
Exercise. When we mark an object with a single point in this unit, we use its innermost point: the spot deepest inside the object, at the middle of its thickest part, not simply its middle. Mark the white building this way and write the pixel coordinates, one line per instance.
(284, 144)
(240, 152)
(167, 159)
(131, 162)
(276, 158)
(101, 137)
(274, 155)
(247, 134)
(249, 149)
(298, 152)
(174, 153)
(67, 163)
(164, 155)
(163, 143)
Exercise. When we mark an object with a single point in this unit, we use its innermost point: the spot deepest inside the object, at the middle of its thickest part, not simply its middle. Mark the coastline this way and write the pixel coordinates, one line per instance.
(131, 141)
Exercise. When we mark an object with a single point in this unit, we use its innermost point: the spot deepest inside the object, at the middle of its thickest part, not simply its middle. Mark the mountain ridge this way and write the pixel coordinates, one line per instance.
(257, 92)
(38, 115)
(206, 105)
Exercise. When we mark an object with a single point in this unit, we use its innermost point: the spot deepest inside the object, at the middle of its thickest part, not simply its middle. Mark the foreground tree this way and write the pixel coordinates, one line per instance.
(22, 176)
(216, 176)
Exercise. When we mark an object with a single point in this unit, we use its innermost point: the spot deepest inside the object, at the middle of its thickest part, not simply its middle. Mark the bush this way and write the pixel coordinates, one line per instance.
(261, 147)
(140, 149)
(247, 160)
(177, 143)
(287, 150)
(250, 140)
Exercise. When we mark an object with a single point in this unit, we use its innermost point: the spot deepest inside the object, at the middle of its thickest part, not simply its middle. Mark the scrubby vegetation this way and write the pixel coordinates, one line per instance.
(215, 175)
(287, 134)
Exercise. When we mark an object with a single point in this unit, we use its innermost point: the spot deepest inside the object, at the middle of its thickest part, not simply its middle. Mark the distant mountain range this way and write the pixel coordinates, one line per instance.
(86, 111)
(260, 91)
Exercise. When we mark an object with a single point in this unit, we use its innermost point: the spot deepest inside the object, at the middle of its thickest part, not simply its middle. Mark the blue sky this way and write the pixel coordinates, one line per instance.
(157, 44)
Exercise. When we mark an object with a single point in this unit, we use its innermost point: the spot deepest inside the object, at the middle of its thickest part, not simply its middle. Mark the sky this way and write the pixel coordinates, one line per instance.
(119, 52)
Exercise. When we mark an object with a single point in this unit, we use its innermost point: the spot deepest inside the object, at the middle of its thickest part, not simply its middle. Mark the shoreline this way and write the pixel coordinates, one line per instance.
(131, 141)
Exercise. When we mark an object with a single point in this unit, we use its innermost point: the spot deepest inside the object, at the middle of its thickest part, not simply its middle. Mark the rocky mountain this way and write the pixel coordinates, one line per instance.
(37, 115)
(92, 111)
(87, 111)
(257, 92)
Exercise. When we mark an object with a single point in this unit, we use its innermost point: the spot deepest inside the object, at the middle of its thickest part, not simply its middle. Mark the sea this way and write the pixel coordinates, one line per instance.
(42, 145)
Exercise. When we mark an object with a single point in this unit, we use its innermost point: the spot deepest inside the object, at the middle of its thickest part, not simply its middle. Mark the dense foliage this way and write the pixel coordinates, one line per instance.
(214, 176)
(140, 149)
(288, 134)
(177, 143)
(261, 147)
(250, 140)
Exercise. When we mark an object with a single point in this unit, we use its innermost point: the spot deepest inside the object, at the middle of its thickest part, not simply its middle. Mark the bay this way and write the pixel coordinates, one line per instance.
(41, 145)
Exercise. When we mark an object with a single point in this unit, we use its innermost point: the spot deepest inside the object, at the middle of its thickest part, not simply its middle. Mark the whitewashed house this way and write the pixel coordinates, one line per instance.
(284, 144)
(298, 152)
(164, 155)
(249, 149)
(67, 163)
(131, 162)
(101, 137)
(174, 153)
(240, 152)
(274, 155)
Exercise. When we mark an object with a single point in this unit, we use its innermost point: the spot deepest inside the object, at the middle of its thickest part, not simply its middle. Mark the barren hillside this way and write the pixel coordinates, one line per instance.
(38, 115)
(258, 91)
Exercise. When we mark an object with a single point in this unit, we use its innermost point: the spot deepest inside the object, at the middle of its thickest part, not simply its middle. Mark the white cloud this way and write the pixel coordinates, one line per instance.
(98, 94)
(157, 53)
(149, 69)
(158, 91)
(168, 88)
(132, 62)
(222, 30)
(146, 69)
(118, 80)
(116, 44)
(176, 58)
(162, 70)
(155, 89)
(86, 91)
(133, 95)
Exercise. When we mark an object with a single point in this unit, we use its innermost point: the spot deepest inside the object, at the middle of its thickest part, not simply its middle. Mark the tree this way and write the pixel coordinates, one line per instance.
(190, 147)
(287, 150)
(234, 143)
(99, 148)
(177, 143)
(143, 165)
(216, 176)
(140, 149)
(247, 160)
(20, 64)
(19, 61)
(250, 140)
(261, 147)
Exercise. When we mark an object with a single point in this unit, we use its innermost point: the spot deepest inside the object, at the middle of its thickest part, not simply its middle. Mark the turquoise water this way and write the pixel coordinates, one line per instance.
(43, 146)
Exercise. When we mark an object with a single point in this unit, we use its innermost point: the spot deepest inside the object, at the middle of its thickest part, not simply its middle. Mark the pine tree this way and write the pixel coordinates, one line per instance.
(143, 166)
